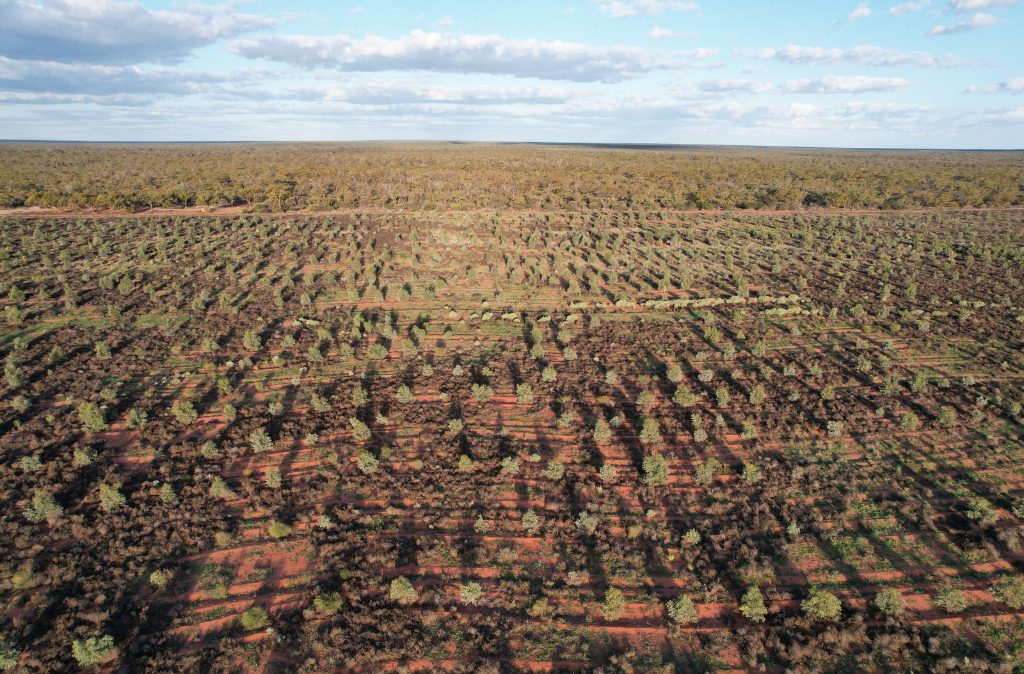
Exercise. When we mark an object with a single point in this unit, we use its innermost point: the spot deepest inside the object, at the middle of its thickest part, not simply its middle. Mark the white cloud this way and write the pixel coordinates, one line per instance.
(435, 52)
(976, 22)
(864, 55)
(907, 7)
(1014, 116)
(357, 10)
(393, 93)
(1014, 85)
(735, 86)
(862, 12)
(624, 8)
(662, 33)
(114, 32)
(966, 6)
(831, 84)
(836, 84)
(444, 22)
(54, 78)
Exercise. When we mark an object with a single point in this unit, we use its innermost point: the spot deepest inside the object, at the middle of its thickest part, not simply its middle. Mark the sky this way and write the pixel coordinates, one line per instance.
(836, 73)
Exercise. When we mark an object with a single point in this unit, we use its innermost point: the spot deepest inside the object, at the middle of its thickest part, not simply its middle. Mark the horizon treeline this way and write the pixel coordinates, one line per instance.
(447, 176)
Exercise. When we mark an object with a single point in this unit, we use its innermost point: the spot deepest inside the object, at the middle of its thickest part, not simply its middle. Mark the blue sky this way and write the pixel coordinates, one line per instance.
(917, 73)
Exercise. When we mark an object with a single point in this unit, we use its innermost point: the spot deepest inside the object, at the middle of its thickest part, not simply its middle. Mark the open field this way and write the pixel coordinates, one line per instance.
(513, 441)
(275, 177)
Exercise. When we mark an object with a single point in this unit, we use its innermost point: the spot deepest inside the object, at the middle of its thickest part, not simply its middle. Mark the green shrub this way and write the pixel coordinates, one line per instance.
(260, 440)
(92, 417)
(752, 605)
(160, 578)
(530, 521)
(366, 462)
(586, 522)
(278, 530)
(614, 604)
(402, 591)
(822, 605)
(752, 473)
(682, 611)
(655, 470)
(110, 497)
(360, 431)
(650, 431)
(470, 593)
(43, 507)
(94, 650)
(554, 470)
(482, 392)
(951, 600)
(9, 656)
(328, 603)
(254, 618)
(184, 411)
(890, 602)
(1010, 591)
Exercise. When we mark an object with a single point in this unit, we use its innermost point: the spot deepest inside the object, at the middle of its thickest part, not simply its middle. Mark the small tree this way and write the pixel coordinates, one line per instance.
(94, 650)
(684, 397)
(219, 489)
(43, 507)
(251, 340)
(682, 611)
(404, 395)
(366, 462)
(360, 431)
(92, 417)
(110, 497)
(402, 591)
(650, 431)
(751, 473)
(184, 411)
(254, 618)
(752, 606)
(614, 604)
(260, 440)
(554, 470)
(655, 470)
(482, 393)
(586, 522)
(530, 521)
(470, 593)
(278, 530)
(602, 432)
(328, 603)
(9, 656)
(950, 599)
(822, 605)
(890, 602)
(1010, 591)
(524, 394)
(160, 578)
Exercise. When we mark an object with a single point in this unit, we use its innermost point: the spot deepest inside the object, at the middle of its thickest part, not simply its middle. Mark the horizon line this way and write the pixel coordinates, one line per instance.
(596, 145)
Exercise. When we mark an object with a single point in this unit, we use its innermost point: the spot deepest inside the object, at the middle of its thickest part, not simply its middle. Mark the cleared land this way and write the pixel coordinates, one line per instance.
(513, 440)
